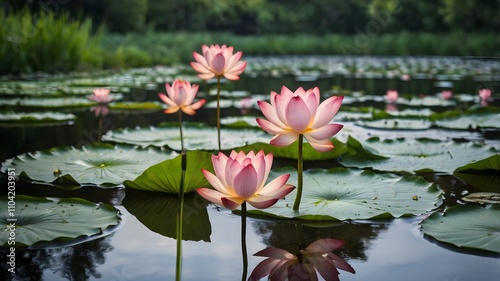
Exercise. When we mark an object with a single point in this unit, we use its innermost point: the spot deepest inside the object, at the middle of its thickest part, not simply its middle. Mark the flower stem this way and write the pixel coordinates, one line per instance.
(180, 211)
(243, 240)
(180, 128)
(218, 112)
(299, 175)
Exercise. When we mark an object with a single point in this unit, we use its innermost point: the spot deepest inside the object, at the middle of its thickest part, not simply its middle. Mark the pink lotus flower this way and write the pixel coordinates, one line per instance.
(446, 94)
(391, 95)
(101, 95)
(180, 96)
(292, 114)
(484, 93)
(317, 257)
(218, 61)
(241, 177)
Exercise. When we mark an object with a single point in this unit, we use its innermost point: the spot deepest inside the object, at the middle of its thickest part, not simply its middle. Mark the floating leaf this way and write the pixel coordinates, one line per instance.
(34, 118)
(414, 155)
(136, 106)
(291, 151)
(240, 121)
(98, 164)
(396, 124)
(166, 176)
(342, 194)
(467, 226)
(490, 163)
(158, 212)
(42, 220)
(489, 183)
(482, 197)
(196, 137)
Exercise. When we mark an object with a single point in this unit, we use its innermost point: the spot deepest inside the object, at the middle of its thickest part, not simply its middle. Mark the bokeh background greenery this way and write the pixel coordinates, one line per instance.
(69, 35)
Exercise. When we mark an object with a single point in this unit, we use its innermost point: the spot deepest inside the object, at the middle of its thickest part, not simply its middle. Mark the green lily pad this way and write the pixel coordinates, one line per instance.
(468, 226)
(487, 183)
(158, 212)
(196, 137)
(166, 176)
(240, 121)
(396, 124)
(137, 106)
(462, 121)
(98, 164)
(34, 118)
(418, 155)
(41, 220)
(291, 151)
(343, 194)
(426, 101)
(490, 163)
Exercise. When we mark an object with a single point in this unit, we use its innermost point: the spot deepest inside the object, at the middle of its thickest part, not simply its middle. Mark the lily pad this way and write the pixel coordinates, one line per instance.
(343, 194)
(158, 212)
(291, 151)
(41, 220)
(240, 121)
(467, 121)
(196, 137)
(34, 118)
(99, 164)
(166, 176)
(487, 183)
(467, 226)
(141, 106)
(396, 124)
(414, 155)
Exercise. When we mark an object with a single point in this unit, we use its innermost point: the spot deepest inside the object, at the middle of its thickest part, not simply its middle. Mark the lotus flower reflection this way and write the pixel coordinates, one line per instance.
(241, 177)
(315, 258)
(102, 97)
(291, 114)
(180, 96)
(218, 61)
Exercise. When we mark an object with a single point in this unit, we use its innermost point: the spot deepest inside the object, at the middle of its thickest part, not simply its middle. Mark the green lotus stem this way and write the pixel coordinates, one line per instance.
(299, 175)
(180, 211)
(180, 129)
(218, 112)
(243, 240)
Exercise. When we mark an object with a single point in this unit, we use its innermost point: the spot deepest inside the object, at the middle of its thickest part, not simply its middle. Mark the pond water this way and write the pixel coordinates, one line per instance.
(142, 247)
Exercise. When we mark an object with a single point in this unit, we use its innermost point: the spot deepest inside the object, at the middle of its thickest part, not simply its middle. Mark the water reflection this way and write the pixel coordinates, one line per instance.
(356, 235)
(78, 262)
(158, 212)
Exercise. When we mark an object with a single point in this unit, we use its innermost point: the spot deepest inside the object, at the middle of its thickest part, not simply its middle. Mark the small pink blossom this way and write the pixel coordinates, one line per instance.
(218, 61)
(291, 114)
(101, 95)
(391, 95)
(484, 93)
(446, 94)
(241, 177)
(180, 96)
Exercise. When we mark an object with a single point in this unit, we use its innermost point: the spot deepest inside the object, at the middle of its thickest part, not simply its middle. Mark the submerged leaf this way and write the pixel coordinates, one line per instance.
(158, 212)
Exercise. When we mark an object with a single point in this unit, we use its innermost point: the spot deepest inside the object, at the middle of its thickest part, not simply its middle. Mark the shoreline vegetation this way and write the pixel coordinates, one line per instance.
(54, 44)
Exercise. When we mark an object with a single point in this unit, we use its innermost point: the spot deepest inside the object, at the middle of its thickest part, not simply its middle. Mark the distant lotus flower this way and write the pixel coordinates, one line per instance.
(241, 177)
(218, 61)
(180, 96)
(391, 107)
(391, 95)
(405, 77)
(291, 114)
(484, 93)
(316, 258)
(101, 95)
(446, 94)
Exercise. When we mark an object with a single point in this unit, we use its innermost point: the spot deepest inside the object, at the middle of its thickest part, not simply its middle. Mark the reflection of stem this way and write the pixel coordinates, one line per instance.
(180, 128)
(243, 239)
(299, 175)
(218, 112)
(178, 267)
(99, 129)
(298, 233)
